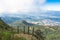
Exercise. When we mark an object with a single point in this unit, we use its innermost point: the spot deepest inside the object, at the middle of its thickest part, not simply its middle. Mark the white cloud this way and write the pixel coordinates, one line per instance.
(51, 7)
(42, 1)
(26, 5)
(18, 5)
(15, 5)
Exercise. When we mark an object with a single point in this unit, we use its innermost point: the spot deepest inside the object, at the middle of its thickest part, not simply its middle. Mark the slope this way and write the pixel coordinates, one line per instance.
(3, 25)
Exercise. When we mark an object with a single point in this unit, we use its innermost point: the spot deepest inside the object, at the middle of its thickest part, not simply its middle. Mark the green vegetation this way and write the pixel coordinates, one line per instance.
(6, 35)
(6, 32)
(49, 32)
(20, 30)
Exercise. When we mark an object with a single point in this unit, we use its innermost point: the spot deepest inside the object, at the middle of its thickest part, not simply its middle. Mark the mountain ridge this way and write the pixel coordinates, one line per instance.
(51, 16)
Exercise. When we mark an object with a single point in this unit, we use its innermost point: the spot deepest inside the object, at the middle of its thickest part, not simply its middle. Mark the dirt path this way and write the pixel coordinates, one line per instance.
(27, 36)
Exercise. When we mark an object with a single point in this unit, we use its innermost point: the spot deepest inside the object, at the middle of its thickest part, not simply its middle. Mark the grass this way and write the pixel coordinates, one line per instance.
(6, 35)
(48, 33)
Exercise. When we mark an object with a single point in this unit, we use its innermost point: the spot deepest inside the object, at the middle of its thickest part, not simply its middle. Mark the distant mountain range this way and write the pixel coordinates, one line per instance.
(47, 18)
(8, 19)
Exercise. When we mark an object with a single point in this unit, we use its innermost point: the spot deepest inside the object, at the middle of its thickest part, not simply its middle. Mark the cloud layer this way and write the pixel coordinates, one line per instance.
(19, 5)
(13, 6)
(52, 7)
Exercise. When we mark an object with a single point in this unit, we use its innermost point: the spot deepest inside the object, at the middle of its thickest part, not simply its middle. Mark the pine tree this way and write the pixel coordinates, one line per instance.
(18, 29)
(28, 29)
(24, 29)
(32, 31)
(39, 35)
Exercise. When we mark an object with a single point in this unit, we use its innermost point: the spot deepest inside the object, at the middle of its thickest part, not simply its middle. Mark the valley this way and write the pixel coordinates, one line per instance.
(33, 26)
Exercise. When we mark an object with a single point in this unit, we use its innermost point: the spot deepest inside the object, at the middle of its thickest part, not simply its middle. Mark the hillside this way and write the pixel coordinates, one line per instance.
(6, 33)
(3, 25)
(21, 23)
(50, 32)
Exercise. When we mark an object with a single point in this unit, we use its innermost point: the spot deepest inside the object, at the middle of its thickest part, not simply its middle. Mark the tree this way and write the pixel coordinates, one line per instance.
(18, 29)
(28, 29)
(24, 29)
(39, 35)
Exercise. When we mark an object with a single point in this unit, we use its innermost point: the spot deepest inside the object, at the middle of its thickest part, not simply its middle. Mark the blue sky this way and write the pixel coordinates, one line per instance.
(15, 6)
(53, 1)
(53, 5)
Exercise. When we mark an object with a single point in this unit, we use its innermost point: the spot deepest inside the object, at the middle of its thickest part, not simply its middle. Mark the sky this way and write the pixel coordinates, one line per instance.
(15, 6)
(53, 1)
(52, 5)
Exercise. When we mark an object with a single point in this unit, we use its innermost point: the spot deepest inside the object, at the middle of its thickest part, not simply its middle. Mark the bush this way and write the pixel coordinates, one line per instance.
(5, 35)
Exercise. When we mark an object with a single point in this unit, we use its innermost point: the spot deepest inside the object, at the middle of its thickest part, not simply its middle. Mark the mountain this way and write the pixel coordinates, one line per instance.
(26, 23)
(9, 20)
(21, 23)
(48, 23)
(3, 25)
(52, 17)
